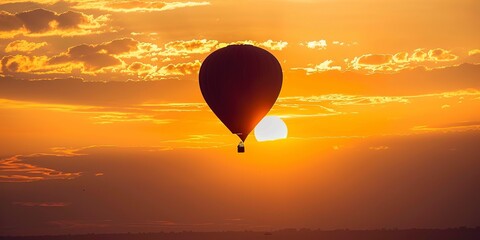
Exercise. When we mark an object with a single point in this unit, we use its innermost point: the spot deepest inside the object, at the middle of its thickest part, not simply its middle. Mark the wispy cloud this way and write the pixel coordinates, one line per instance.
(122, 117)
(127, 6)
(342, 99)
(456, 126)
(98, 114)
(14, 169)
(322, 67)
(341, 104)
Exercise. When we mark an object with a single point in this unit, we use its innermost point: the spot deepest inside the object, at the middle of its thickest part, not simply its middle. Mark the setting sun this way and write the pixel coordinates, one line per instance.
(270, 128)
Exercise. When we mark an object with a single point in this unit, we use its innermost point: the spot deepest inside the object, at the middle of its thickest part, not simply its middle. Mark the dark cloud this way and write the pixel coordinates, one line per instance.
(9, 22)
(42, 21)
(70, 19)
(95, 57)
(58, 6)
(37, 21)
(119, 46)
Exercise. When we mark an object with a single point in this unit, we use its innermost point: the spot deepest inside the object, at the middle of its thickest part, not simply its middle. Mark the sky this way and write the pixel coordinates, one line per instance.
(103, 127)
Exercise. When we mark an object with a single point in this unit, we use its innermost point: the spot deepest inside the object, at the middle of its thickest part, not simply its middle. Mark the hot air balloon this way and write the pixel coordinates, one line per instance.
(240, 83)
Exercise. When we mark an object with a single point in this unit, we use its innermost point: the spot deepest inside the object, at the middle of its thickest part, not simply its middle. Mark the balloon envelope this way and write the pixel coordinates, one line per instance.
(240, 83)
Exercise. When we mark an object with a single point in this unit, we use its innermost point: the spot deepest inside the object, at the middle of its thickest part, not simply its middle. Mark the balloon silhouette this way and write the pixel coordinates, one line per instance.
(240, 83)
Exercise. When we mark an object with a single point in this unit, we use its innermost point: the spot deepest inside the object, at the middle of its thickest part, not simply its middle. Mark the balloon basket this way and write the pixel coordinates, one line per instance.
(241, 148)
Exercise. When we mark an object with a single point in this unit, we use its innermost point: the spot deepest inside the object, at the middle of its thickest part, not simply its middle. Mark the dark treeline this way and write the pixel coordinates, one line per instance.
(286, 234)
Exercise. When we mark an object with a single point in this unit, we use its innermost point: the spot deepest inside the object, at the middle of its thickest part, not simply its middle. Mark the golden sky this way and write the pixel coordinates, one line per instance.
(103, 127)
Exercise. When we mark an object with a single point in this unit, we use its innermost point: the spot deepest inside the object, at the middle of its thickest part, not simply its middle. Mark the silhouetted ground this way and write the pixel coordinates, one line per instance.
(288, 234)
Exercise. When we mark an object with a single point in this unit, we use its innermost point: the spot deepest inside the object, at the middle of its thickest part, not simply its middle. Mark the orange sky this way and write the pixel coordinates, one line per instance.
(103, 127)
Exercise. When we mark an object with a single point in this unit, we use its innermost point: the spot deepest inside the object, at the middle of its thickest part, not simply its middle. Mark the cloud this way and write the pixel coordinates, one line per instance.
(274, 45)
(374, 59)
(97, 114)
(180, 68)
(129, 48)
(455, 126)
(473, 52)
(123, 117)
(320, 44)
(141, 68)
(419, 55)
(201, 141)
(24, 46)
(27, 1)
(202, 46)
(14, 169)
(151, 72)
(144, 33)
(97, 56)
(373, 62)
(42, 22)
(348, 44)
(343, 104)
(22, 63)
(126, 112)
(34, 65)
(441, 55)
(188, 47)
(402, 60)
(400, 57)
(9, 22)
(344, 99)
(370, 63)
(136, 6)
(473, 56)
(332, 108)
(322, 67)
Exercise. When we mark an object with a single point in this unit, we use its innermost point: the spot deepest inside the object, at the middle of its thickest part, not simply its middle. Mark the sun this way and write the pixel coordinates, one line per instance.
(270, 128)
